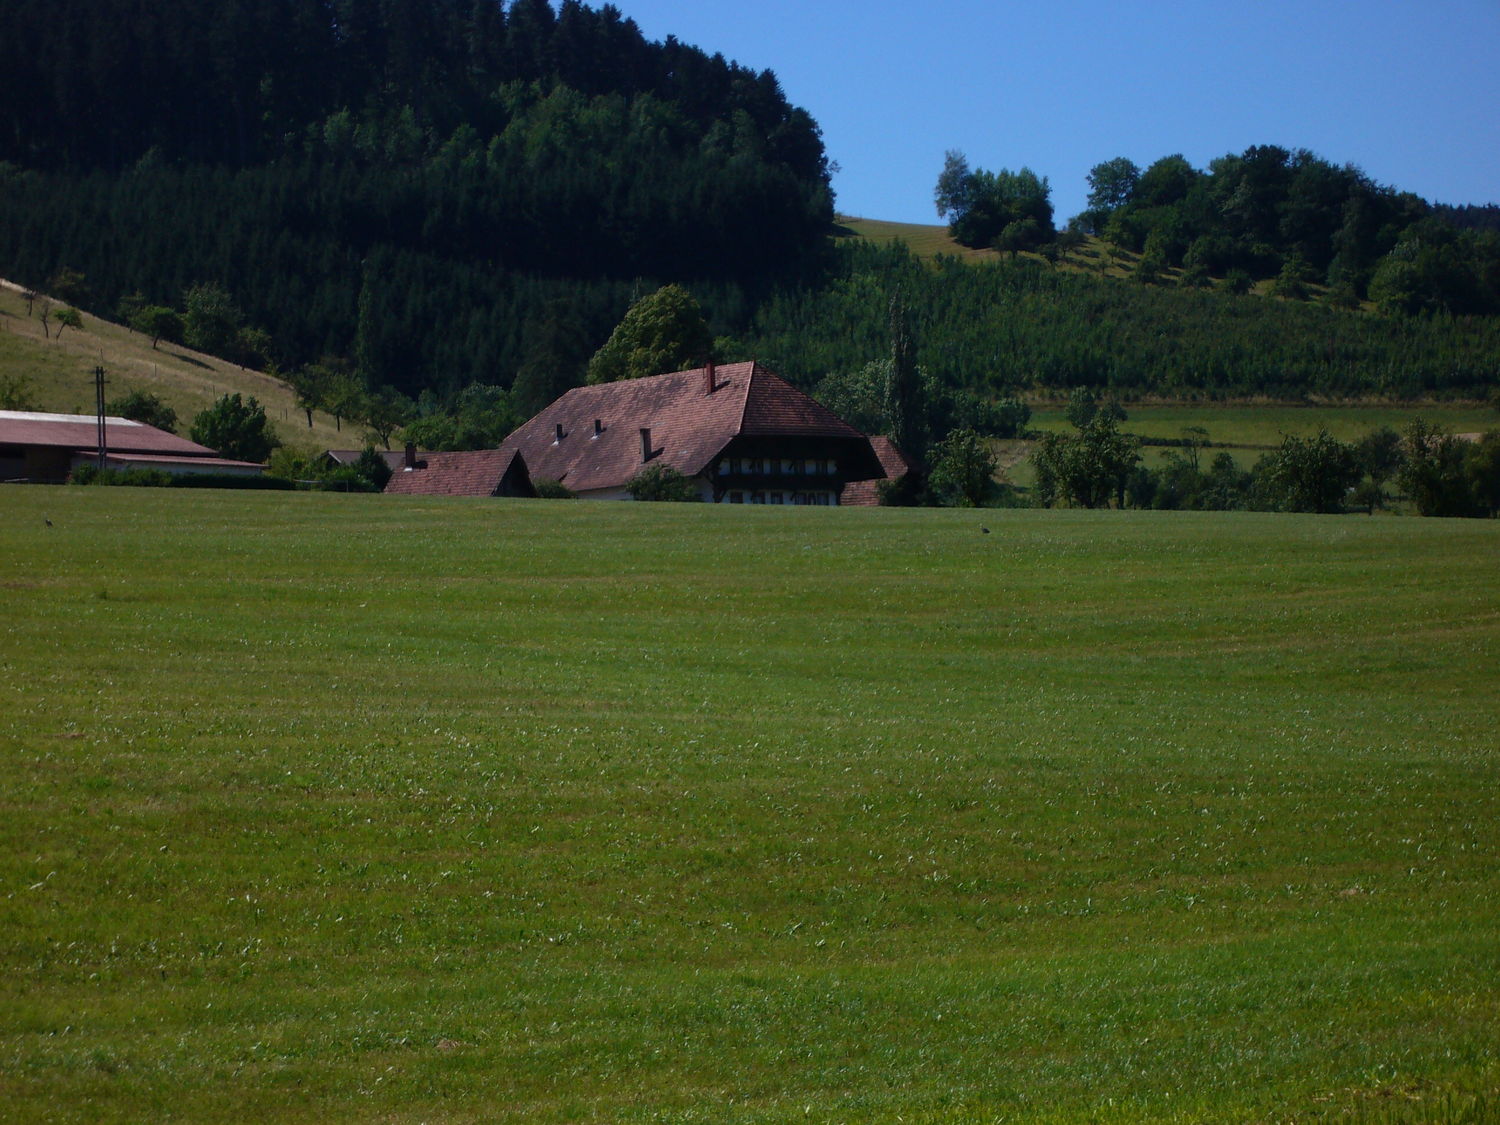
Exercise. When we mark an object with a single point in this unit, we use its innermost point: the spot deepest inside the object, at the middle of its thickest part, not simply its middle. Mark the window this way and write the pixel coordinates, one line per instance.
(757, 498)
(736, 497)
(776, 498)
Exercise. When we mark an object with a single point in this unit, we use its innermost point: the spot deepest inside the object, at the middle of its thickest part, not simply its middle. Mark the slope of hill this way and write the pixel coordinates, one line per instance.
(417, 188)
(1023, 326)
(57, 374)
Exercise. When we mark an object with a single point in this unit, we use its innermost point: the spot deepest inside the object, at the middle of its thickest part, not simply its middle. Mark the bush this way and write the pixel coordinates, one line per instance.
(132, 478)
(236, 428)
(547, 489)
(662, 482)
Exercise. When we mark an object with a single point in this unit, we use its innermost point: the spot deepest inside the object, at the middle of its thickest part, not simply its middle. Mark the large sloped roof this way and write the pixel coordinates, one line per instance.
(81, 432)
(475, 473)
(690, 425)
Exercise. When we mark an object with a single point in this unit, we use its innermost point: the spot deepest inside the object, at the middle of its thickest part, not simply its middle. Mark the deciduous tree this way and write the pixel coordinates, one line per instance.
(237, 428)
(661, 333)
(963, 470)
(68, 318)
(145, 407)
(158, 322)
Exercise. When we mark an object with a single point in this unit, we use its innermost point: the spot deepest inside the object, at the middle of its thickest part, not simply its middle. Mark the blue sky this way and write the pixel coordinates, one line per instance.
(1408, 91)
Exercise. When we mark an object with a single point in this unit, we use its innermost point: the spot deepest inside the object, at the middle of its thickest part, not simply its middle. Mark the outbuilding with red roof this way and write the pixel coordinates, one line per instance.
(46, 448)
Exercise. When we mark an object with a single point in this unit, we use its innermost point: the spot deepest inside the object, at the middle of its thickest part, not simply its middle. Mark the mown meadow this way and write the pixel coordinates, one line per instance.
(344, 808)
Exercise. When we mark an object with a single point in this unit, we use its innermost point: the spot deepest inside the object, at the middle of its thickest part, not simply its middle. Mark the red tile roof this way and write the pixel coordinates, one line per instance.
(866, 493)
(80, 432)
(600, 446)
(149, 459)
(475, 473)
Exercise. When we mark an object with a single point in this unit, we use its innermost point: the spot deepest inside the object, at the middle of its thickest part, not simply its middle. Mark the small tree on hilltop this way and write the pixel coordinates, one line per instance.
(238, 429)
(68, 318)
(213, 320)
(158, 322)
(385, 412)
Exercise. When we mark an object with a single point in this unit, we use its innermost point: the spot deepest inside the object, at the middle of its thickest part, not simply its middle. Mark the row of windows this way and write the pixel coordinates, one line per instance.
(764, 466)
(817, 499)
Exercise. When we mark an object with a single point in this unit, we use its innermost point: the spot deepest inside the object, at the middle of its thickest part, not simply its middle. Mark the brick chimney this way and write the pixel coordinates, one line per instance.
(409, 461)
(560, 434)
(710, 383)
(645, 444)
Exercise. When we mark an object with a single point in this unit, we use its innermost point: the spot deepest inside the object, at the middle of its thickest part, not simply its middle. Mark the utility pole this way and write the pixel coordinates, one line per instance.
(99, 408)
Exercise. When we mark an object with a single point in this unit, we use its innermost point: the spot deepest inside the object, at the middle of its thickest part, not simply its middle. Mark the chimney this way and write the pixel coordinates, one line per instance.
(645, 444)
(709, 381)
(598, 427)
(560, 434)
(409, 462)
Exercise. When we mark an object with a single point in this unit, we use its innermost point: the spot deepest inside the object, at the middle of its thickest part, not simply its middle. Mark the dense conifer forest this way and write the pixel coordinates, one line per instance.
(416, 186)
(430, 194)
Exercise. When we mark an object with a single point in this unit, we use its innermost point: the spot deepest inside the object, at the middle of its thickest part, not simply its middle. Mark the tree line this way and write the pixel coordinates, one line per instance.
(1266, 213)
(1098, 465)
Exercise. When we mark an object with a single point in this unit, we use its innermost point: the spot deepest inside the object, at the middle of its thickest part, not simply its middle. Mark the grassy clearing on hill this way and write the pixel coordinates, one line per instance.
(330, 808)
(59, 374)
(927, 241)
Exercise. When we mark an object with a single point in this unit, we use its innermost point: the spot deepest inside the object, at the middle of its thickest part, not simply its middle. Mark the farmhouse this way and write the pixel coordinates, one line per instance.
(45, 448)
(482, 472)
(740, 433)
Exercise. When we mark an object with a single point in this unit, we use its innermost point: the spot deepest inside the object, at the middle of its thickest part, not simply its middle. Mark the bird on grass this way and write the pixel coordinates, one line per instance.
(46, 521)
(985, 530)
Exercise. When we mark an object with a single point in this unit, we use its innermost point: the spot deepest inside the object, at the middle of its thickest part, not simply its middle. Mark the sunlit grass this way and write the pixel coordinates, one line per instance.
(347, 808)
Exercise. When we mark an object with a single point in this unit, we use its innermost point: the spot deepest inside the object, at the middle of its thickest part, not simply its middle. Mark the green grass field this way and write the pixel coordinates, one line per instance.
(344, 808)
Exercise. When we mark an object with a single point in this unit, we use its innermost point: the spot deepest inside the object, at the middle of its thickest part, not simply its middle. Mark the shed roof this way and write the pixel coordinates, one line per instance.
(81, 432)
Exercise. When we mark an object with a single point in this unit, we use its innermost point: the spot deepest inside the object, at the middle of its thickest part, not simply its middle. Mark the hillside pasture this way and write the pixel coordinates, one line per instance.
(344, 808)
(57, 374)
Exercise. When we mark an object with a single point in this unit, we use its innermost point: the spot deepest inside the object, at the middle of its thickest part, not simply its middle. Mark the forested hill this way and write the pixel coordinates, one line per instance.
(431, 190)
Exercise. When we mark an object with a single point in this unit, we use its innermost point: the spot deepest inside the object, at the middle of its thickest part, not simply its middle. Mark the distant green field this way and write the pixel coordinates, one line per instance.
(343, 808)
(923, 240)
(1262, 425)
(1247, 431)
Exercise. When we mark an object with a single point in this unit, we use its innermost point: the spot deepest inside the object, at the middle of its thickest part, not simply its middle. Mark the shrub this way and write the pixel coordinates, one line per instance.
(661, 482)
(133, 478)
(547, 489)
